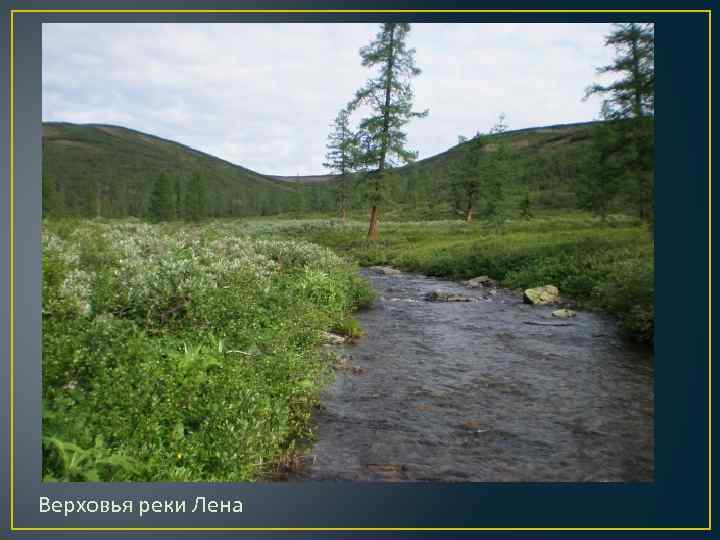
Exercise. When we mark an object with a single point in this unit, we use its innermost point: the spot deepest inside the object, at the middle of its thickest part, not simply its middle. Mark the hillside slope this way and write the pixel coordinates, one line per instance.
(547, 164)
(110, 171)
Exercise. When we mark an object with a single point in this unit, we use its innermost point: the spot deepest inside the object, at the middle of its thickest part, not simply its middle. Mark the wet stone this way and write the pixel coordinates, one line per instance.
(442, 296)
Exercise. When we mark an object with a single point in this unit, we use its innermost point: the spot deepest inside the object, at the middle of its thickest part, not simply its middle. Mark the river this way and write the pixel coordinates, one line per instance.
(491, 390)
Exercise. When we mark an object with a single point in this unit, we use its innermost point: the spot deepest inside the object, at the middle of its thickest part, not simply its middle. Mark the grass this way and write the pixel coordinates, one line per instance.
(599, 264)
(176, 353)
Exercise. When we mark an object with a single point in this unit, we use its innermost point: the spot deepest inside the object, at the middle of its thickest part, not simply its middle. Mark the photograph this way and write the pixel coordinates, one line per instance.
(315, 252)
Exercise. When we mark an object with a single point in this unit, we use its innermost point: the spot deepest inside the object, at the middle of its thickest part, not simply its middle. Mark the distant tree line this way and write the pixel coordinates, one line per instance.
(166, 196)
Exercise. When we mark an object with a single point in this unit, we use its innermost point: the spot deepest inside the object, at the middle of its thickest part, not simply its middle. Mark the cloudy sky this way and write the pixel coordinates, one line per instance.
(263, 95)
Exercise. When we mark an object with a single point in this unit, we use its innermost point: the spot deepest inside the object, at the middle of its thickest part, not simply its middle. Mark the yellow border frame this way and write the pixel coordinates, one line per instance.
(11, 273)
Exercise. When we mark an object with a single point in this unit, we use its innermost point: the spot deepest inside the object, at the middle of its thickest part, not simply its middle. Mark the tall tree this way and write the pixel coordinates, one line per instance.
(465, 179)
(162, 199)
(630, 102)
(196, 198)
(341, 149)
(632, 95)
(495, 168)
(389, 96)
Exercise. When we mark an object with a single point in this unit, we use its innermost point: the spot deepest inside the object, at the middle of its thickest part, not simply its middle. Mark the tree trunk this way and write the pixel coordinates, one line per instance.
(469, 214)
(343, 214)
(373, 230)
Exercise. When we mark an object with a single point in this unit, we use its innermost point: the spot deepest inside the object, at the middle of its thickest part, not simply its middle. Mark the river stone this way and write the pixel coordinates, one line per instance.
(564, 313)
(541, 295)
(480, 281)
(387, 270)
(332, 339)
(442, 296)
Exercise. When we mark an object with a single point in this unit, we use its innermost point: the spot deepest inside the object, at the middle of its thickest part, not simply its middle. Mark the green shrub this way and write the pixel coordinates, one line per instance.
(189, 350)
(349, 328)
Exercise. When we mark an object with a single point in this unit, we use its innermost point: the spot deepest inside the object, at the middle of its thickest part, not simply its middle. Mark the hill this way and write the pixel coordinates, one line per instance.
(110, 171)
(546, 166)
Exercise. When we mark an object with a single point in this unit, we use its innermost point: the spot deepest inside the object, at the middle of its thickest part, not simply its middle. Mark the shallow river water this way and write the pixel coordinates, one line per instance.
(491, 390)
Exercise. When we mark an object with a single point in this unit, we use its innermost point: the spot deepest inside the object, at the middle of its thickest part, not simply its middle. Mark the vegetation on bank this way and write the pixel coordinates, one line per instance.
(606, 264)
(176, 353)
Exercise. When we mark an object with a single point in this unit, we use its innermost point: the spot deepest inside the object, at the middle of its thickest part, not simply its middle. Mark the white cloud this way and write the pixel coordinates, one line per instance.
(263, 95)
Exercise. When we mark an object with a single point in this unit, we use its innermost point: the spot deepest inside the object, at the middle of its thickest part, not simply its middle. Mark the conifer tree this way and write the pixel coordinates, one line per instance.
(196, 198)
(162, 199)
(625, 147)
(381, 139)
(341, 150)
(632, 95)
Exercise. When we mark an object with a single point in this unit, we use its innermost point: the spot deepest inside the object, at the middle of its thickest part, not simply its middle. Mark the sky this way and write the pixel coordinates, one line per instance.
(263, 95)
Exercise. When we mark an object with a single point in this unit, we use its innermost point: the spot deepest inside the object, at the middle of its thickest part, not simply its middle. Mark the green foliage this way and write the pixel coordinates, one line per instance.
(191, 350)
(66, 462)
(625, 147)
(110, 171)
(548, 162)
(52, 202)
(340, 157)
(628, 290)
(196, 198)
(380, 137)
(389, 95)
(605, 264)
(632, 94)
(526, 206)
(349, 328)
(162, 199)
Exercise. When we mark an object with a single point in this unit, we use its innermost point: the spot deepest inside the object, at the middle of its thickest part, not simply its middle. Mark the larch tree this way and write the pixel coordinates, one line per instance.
(465, 179)
(632, 95)
(630, 102)
(389, 97)
(196, 198)
(341, 150)
(494, 168)
(162, 199)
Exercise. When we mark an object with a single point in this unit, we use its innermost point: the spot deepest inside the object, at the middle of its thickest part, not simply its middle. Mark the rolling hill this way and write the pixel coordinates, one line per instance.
(109, 171)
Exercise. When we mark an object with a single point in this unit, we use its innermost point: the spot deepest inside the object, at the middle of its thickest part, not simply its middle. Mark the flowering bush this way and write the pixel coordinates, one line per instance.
(191, 350)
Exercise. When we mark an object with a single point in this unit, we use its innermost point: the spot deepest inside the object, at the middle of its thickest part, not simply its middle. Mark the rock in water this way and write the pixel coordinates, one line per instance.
(540, 296)
(564, 313)
(442, 296)
(387, 270)
(480, 281)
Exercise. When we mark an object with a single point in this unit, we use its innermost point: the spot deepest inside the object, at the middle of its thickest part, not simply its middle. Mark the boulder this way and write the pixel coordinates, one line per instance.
(564, 313)
(386, 270)
(480, 281)
(442, 296)
(540, 296)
